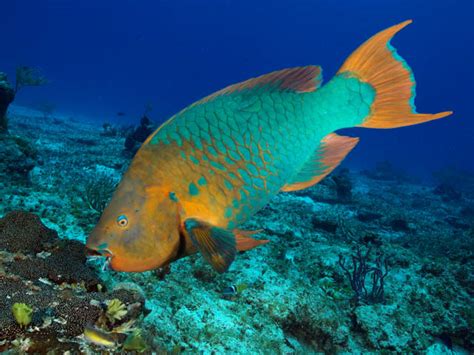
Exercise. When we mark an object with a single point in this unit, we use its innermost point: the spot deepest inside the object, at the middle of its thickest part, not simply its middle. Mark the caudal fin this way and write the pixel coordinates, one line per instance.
(377, 63)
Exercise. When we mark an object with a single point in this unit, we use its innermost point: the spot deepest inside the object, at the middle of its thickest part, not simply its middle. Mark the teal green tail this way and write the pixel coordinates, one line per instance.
(374, 88)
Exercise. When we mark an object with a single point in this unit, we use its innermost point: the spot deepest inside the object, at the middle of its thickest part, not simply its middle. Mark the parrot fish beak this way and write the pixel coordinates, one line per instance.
(93, 254)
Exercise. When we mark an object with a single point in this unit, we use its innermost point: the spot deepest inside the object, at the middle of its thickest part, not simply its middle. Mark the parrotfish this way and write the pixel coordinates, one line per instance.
(212, 166)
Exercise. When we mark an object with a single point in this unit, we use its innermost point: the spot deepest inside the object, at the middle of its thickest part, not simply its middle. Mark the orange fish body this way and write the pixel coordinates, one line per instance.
(212, 166)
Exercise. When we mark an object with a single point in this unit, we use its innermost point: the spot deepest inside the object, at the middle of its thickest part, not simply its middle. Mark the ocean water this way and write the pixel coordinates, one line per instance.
(401, 205)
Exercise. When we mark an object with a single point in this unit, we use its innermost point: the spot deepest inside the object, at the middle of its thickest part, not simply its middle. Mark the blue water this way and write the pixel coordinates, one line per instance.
(108, 56)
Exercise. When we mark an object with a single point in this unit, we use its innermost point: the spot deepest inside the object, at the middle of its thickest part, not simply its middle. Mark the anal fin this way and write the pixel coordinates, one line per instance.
(245, 241)
(217, 245)
(330, 153)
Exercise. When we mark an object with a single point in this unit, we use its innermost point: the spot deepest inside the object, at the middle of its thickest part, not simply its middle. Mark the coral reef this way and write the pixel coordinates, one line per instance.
(51, 291)
(98, 190)
(28, 76)
(25, 76)
(297, 298)
(18, 158)
(136, 137)
(7, 95)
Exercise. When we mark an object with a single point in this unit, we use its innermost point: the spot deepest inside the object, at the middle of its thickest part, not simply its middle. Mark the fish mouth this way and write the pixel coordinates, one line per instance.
(94, 254)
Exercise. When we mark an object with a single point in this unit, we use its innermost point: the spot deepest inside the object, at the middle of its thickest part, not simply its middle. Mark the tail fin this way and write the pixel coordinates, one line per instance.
(377, 63)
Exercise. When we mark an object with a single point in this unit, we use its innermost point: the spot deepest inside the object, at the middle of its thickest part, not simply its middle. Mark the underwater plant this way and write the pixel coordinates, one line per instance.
(116, 310)
(135, 342)
(28, 76)
(98, 190)
(25, 76)
(22, 313)
(359, 273)
(22, 344)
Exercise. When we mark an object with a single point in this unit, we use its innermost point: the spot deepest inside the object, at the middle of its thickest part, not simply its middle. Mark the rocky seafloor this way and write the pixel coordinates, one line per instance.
(295, 295)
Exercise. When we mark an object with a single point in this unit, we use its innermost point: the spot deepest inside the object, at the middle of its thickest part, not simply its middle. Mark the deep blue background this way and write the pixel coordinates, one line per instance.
(109, 56)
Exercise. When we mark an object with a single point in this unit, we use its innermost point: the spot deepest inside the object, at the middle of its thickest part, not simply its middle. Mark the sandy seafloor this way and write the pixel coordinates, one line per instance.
(297, 298)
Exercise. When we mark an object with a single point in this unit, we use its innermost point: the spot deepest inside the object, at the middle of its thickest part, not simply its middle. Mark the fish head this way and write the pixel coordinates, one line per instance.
(138, 231)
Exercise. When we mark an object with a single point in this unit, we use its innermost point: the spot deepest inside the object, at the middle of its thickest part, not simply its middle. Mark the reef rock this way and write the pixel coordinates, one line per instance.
(50, 276)
(7, 95)
(19, 157)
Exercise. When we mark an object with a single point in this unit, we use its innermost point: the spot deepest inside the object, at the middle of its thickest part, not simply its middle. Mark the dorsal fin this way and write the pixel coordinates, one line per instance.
(330, 153)
(297, 79)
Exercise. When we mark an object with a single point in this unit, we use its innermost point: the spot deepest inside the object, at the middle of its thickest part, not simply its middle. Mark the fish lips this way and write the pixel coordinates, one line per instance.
(100, 252)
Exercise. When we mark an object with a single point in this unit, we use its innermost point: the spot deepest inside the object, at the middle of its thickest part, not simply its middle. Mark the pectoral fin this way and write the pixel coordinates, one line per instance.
(217, 245)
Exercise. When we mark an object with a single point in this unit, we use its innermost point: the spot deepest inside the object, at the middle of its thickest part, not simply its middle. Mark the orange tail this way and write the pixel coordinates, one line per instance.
(377, 63)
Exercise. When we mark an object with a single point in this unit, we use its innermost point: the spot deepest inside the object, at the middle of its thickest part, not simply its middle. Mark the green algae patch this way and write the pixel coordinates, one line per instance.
(22, 313)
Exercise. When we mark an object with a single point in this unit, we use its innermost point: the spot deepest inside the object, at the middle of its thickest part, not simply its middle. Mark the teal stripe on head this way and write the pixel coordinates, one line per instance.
(193, 190)
(103, 246)
(173, 197)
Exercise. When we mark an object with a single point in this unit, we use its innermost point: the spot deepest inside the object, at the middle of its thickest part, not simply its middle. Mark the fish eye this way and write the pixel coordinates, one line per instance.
(122, 220)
